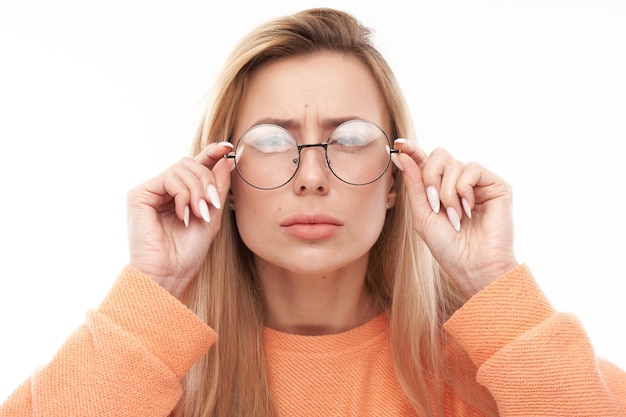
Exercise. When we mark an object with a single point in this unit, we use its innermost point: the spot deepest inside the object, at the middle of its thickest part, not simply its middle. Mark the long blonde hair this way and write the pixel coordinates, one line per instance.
(231, 380)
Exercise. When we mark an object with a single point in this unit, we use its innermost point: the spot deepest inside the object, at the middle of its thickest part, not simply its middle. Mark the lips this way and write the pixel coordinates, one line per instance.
(311, 226)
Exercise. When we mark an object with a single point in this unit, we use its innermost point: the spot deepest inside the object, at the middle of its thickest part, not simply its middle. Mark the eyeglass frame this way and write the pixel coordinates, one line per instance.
(324, 145)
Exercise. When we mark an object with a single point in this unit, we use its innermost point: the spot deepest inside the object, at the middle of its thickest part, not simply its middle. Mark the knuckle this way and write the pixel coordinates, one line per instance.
(439, 151)
(131, 195)
(448, 196)
(473, 165)
(185, 160)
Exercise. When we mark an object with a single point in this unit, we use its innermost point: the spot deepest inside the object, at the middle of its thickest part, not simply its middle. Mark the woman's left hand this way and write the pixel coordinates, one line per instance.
(463, 212)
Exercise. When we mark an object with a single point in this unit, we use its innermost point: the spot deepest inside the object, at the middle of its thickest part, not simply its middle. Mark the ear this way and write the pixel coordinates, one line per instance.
(391, 198)
(392, 194)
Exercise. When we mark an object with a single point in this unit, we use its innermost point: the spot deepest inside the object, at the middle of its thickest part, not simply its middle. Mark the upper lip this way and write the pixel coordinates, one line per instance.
(310, 218)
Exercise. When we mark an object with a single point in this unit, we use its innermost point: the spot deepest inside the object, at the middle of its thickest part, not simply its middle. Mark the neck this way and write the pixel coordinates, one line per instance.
(316, 304)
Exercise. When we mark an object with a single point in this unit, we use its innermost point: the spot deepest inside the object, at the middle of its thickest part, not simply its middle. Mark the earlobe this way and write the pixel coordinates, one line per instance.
(392, 194)
(391, 199)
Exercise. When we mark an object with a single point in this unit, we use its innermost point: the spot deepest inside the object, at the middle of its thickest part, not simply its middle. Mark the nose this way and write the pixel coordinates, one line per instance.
(313, 172)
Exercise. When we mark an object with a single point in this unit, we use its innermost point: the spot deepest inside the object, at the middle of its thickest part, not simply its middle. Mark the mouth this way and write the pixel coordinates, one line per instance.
(311, 226)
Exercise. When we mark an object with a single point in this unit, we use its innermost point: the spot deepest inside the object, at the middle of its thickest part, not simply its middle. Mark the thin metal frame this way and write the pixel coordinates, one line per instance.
(314, 145)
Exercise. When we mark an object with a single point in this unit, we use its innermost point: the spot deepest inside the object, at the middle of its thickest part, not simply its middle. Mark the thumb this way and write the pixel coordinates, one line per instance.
(424, 200)
(222, 173)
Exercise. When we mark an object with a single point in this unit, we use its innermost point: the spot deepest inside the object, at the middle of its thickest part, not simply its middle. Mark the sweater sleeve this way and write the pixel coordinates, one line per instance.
(128, 358)
(535, 361)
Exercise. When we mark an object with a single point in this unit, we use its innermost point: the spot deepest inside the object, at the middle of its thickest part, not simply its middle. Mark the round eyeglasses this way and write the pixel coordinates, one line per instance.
(357, 152)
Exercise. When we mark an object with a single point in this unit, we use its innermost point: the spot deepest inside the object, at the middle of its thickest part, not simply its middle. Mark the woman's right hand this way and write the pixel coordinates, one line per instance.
(173, 217)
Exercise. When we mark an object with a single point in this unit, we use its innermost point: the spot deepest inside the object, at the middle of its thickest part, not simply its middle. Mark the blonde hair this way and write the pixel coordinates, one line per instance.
(403, 277)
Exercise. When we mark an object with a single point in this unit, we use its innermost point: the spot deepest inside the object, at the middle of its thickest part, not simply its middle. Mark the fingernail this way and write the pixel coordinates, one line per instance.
(214, 197)
(395, 160)
(227, 144)
(204, 211)
(433, 198)
(466, 208)
(454, 218)
(238, 155)
(402, 141)
(186, 216)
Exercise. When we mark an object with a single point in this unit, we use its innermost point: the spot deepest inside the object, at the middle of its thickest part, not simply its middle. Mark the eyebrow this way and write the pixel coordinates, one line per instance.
(292, 123)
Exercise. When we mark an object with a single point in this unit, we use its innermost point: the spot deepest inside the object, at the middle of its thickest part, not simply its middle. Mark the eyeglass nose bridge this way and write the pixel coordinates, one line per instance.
(313, 145)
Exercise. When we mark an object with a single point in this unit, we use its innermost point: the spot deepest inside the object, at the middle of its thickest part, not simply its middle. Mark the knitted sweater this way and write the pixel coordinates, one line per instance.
(131, 353)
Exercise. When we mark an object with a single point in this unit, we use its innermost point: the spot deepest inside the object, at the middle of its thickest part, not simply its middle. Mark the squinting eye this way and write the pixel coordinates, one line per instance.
(349, 139)
(273, 141)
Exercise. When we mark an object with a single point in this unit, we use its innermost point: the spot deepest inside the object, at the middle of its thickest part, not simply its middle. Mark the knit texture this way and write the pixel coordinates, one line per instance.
(346, 374)
(131, 353)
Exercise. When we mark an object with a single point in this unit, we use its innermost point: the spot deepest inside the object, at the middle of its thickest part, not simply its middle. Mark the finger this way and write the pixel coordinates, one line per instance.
(420, 157)
(410, 148)
(432, 173)
(468, 180)
(478, 185)
(200, 183)
(222, 175)
(438, 175)
(448, 191)
(162, 194)
(217, 180)
(179, 185)
(213, 153)
(443, 173)
(414, 185)
(211, 157)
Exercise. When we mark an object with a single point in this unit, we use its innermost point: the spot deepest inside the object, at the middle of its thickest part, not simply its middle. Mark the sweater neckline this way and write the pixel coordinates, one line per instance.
(366, 333)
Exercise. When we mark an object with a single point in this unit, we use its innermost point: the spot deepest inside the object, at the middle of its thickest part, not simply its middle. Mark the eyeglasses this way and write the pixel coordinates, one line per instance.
(357, 152)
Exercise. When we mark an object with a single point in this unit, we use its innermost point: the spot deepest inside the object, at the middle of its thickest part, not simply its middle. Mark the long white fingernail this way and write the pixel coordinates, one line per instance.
(433, 198)
(214, 197)
(409, 144)
(204, 211)
(239, 152)
(186, 216)
(453, 216)
(237, 156)
(466, 208)
(227, 144)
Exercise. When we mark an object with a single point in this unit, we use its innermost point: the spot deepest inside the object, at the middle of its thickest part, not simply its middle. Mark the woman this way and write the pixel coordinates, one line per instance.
(328, 267)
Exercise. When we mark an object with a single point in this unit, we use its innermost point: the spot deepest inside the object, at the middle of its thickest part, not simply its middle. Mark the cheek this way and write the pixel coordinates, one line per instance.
(253, 213)
(251, 227)
(371, 208)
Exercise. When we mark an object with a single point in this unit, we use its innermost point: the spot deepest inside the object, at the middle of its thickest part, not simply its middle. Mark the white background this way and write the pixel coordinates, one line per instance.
(96, 97)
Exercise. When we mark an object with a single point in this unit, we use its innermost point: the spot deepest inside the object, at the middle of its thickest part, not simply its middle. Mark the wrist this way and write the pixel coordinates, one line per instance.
(480, 279)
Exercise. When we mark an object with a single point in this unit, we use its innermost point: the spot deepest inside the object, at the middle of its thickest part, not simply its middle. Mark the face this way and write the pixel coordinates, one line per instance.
(314, 224)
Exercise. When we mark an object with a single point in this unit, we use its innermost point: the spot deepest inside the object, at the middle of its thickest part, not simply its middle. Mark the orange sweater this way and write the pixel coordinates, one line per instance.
(129, 356)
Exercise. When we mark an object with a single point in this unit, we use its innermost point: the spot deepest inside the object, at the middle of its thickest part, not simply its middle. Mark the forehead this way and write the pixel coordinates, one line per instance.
(309, 89)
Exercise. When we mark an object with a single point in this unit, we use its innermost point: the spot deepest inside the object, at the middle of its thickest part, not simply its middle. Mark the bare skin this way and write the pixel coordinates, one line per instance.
(313, 277)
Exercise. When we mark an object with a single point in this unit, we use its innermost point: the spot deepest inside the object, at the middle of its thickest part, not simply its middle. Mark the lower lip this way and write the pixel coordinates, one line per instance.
(312, 231)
